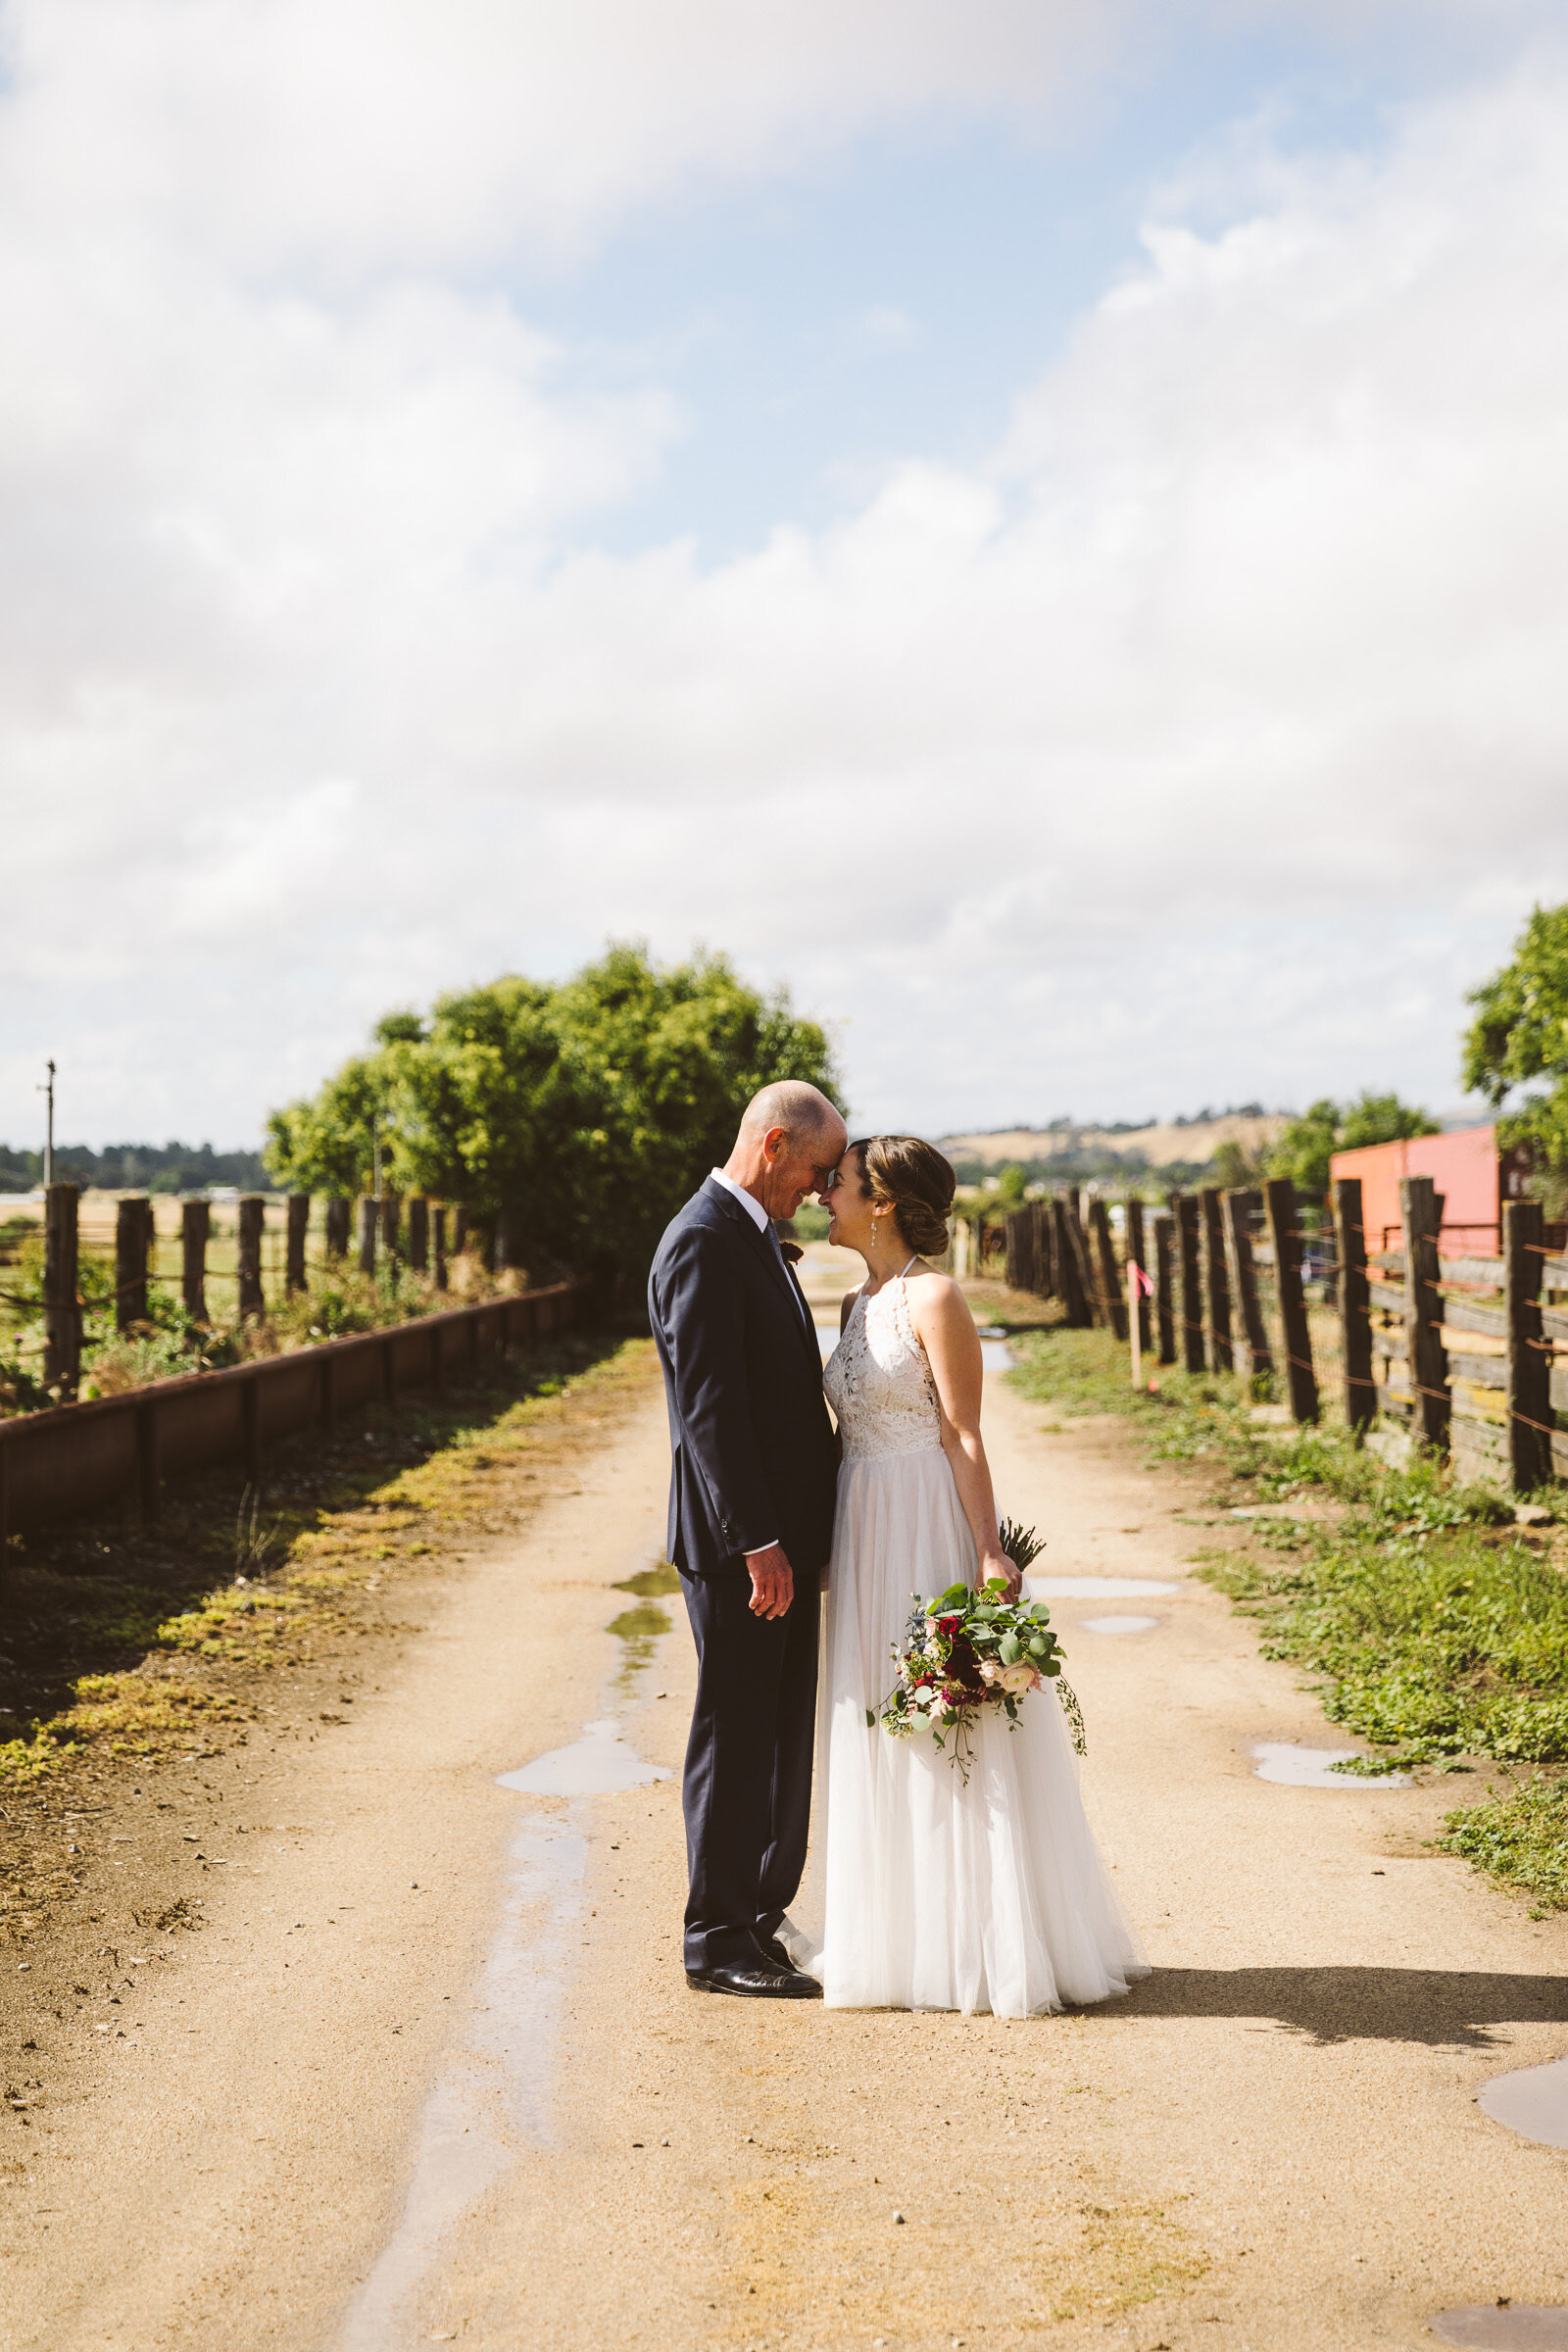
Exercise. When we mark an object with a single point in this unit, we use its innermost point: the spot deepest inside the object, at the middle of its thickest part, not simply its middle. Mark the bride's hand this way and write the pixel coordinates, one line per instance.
(997, 1564)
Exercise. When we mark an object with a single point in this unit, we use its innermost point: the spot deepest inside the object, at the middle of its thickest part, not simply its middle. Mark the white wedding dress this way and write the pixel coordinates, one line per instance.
(923, 1892)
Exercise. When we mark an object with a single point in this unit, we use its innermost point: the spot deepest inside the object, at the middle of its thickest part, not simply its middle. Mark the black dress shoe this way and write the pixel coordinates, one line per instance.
(754, 1981)
(774, 1950)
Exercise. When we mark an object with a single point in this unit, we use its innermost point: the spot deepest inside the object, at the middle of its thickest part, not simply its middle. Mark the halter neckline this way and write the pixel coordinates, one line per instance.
(909, 1261)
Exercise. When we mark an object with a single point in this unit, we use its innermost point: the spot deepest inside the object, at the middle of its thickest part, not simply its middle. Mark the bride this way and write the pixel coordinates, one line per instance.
(930, 1893)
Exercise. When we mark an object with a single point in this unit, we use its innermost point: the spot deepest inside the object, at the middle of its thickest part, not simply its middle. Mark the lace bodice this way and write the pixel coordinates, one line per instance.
(879, 1381)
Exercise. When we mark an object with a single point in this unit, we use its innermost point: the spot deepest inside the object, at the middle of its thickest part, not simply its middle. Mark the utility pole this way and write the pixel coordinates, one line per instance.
(48, 1093)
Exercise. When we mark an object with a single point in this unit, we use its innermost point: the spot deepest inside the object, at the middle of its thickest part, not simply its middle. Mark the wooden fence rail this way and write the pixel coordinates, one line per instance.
(76, 1457)
(1468, 1355)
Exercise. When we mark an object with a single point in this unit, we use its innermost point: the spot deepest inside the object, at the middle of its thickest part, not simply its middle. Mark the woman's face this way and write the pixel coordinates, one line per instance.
(851, 1225)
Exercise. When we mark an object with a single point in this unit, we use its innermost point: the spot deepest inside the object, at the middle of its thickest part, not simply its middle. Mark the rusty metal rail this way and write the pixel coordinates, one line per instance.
(76, 1457)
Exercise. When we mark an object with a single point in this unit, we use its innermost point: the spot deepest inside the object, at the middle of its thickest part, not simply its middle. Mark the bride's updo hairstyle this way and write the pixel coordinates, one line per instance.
(916, 1180)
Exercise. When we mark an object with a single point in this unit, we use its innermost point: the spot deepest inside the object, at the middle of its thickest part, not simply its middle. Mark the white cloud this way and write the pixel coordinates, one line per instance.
(1204, 739)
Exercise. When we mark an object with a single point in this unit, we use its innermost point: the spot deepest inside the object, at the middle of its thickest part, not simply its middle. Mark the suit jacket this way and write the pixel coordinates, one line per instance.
(754, 1454)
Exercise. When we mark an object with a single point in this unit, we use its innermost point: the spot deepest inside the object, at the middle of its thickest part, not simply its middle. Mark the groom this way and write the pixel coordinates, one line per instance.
(751, 1522)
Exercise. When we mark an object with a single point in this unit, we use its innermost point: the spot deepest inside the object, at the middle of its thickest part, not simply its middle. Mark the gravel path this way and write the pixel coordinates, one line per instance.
(433, 2073)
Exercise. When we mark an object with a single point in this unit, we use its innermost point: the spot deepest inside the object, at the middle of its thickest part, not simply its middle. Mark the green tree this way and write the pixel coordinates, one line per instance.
(1380, 1119)
(1520, 1031)
(1011, 1182)
(328, 1144)
(575, 1117)
(1304, 1150)
(1235, 1167)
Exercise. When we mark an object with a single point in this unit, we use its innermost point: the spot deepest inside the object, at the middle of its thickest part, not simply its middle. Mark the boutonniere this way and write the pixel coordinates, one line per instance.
(791, 1253)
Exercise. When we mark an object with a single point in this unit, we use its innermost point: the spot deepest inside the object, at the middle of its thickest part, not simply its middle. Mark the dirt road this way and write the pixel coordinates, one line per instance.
(433, 2073)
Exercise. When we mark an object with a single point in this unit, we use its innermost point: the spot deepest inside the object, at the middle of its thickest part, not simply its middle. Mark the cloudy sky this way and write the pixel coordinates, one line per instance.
(1038, 524)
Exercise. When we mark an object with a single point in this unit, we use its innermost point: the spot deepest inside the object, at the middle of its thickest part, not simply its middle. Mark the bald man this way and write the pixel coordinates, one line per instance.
(751, 1525)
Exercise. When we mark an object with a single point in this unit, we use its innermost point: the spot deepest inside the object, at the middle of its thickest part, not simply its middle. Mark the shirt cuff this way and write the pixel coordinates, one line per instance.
(755, 1550)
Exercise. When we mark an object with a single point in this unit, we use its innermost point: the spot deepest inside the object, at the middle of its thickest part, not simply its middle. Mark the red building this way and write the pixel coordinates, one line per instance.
(1472, 1177)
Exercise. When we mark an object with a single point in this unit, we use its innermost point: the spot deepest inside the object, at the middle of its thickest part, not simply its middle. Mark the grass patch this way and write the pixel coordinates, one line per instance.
(124, 1641)
(1519, 1840)
(1433, 1627)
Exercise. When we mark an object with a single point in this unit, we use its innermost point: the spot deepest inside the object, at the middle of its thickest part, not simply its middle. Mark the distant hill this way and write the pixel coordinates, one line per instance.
(1063, 1150)
(137, 1168)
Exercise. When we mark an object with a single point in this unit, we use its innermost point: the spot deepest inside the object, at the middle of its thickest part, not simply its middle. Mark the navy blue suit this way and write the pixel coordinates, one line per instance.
(754, 1460)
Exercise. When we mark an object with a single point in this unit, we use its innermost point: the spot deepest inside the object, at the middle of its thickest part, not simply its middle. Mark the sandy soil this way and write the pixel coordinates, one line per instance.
(1160, 1144)
(433, 2073)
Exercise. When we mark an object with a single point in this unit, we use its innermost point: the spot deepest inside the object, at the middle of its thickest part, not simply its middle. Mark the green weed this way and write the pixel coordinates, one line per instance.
(1433, 1627)
(1519, 1840)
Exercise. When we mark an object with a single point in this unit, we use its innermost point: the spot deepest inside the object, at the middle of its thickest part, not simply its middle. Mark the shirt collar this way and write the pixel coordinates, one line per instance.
(753, 1208)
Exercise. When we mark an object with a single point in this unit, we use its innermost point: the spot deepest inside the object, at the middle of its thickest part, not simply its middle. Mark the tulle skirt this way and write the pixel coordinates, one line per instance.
(923, 1892)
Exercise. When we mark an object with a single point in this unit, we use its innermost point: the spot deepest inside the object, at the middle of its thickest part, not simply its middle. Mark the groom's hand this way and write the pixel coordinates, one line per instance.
(773, 1580)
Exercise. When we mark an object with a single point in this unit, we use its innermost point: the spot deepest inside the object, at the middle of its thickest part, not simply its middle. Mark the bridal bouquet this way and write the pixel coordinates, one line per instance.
(969, 1650)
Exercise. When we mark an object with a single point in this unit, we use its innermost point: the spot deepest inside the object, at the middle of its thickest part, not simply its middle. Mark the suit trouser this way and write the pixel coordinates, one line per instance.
(747, 1790)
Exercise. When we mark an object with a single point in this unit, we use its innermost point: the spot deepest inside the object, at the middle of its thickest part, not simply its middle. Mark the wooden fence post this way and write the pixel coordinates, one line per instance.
(1083, 1278)
(391, 1215)
(62, 1307)
(1044, 1270)
(459, 1229)
(248, 1255)
(1356, 1308)
(1216, 1289)
(133, 1222)
(1184, 1208)
(1015, 1227)
(1136, 1247)
(418, 1233)
(1108, 1274)
(438, 1248)
(1164, 1287)
(299, 1219)
(1530, 1417)
(367, 1226)
(1420, 1214)
(1069, 1273)
(1257, 1358)
(195, 1225)
(1284, 1213)
(337, 1223)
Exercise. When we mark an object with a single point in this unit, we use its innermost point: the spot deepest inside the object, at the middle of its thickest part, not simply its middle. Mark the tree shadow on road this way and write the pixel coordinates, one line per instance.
(1446, 2008)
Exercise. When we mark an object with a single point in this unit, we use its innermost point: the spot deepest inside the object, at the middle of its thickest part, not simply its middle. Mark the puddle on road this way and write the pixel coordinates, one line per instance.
(494, 2081)
(1118, 1625)
(1296, 1767)
(1095, 1588)
(598, 1764)
(1532, 2100)
(660, 1578)
(492, 2085)
(1510, 2327)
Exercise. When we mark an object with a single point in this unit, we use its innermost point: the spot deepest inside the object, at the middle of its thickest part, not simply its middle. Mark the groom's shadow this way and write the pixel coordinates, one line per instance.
(1446, 2008)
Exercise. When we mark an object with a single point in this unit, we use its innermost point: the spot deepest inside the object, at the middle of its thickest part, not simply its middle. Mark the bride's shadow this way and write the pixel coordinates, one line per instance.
(1446, 2008)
